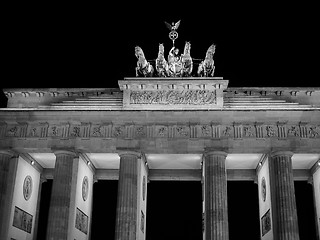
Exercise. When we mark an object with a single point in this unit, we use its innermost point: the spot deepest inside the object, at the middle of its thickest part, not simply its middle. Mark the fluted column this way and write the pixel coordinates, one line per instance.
(215, 196)
(284, 210)
(36, 221)
(59, 211)
(127, 202)
(8, 168)
(315, 170)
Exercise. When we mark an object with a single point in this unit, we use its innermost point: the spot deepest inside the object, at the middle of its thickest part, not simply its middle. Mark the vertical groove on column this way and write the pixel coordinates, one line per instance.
(4, 170)
(216, 209)
(8, 167)
(4, 174)
(127, 198)
(284, 198)
(60, 198)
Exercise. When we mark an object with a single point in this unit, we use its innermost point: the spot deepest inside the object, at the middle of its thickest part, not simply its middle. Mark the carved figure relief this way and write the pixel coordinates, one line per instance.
(227, 131)
(248, 131)
(182, 131)
(314, 131)
(206, 131)
(85, 188)
(263, 189)
(173, 97)
(162, 131)
(271, 132)
(12, 132)
(27, 187)
(294, 131)
(144, 186)
(96, 131)
(140, 131)
(75, 131)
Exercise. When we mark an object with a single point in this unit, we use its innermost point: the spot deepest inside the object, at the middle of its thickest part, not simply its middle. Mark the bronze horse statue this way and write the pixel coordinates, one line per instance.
(162, 66)
(143, 68)
(187, 64)
(206, 67)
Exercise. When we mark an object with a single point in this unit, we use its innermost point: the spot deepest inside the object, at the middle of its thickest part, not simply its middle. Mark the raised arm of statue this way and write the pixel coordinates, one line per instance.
(171, 51)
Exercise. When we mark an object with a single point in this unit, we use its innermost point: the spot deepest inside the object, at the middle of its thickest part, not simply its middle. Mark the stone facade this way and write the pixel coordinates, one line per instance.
(148, 117)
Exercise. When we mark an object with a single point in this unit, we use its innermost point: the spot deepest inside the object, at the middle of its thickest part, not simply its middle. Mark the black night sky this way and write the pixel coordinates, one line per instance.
(91, 45)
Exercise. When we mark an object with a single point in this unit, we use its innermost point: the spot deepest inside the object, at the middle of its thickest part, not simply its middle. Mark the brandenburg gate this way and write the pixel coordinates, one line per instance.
(167, 126)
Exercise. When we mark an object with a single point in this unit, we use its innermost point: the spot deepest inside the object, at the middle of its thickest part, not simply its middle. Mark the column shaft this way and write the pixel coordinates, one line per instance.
(36, 221)
(60, 197)
(215, 189)
(283, 197)
(126, 222)
(8, 167)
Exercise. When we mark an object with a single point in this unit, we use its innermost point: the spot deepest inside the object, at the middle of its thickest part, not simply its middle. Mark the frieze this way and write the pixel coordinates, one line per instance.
(132, 131)
(173, 97)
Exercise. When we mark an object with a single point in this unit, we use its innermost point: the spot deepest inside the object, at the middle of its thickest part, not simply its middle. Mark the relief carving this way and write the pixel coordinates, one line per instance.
(161, 131)
(227, 131)
(182, 131)
(173, 97)
(271, 132)
(206, 130)
(12, 131)
(140, 131)
(54, 131)
(314, 131)
(294, 131)
(118, 131)
(75, 132)
(96, 131)
(248, 131)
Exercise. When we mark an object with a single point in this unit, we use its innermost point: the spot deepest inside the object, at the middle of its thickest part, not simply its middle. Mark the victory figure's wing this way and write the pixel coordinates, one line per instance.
(177, 25)
(168, 25)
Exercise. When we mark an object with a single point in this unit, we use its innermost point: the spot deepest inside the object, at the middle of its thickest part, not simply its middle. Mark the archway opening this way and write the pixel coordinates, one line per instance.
(174, 210)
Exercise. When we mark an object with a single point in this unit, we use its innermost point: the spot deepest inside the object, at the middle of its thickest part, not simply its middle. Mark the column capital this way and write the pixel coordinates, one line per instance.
(127, 151)
(8, 152)
(216, 153)
(281, 153)
(62, 151)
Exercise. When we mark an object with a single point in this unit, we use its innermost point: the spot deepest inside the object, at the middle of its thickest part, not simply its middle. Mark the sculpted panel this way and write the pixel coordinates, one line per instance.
(173, 97)
(236, 131)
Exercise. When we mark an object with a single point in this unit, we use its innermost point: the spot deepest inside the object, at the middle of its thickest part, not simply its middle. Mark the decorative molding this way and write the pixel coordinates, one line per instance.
(236, 131)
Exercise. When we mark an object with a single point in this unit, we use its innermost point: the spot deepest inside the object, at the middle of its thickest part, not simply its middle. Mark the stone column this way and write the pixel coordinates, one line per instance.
(36, 223)
(8, 168)
(284, 210)
(60, 204)
(215, 196)
(129, 203)
(315, 170)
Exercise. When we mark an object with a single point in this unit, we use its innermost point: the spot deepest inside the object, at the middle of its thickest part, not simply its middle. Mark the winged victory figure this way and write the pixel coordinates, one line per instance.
(206, 67)
(143, 68)
(173, 26)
